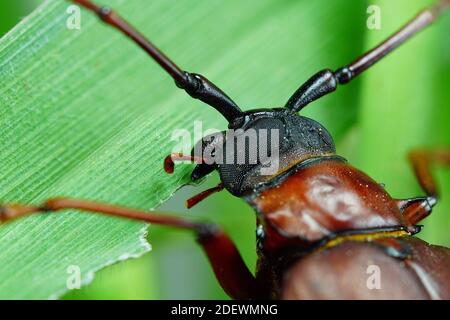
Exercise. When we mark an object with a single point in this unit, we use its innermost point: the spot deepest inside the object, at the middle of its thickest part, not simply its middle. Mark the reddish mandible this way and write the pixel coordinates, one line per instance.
(321, 222)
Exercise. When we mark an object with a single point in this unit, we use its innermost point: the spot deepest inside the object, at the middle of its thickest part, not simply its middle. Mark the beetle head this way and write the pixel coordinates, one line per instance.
(258, 146)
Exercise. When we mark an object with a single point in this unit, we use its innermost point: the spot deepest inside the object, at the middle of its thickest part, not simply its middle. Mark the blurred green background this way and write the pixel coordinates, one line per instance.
(388, 114)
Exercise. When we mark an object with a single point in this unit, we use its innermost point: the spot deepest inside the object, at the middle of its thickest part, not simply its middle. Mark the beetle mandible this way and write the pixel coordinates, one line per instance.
(320, 220)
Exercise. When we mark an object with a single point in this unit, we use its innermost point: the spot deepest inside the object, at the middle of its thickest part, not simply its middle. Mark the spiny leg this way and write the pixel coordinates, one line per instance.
(416, 209)
(231, 271)
(197, 86)
(326, 81)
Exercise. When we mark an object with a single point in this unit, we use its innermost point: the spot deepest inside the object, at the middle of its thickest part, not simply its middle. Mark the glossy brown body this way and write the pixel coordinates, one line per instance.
(342, 272)
(325, 201)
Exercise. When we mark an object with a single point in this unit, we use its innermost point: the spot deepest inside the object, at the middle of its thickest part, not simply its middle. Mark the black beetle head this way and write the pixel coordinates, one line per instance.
(259, 146)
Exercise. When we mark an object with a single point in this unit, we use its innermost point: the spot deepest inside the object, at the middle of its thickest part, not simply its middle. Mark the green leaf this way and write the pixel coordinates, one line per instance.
(85, 113)
(12, 11)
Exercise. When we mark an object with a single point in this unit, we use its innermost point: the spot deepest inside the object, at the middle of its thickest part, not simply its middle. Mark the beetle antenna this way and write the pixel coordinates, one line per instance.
(326, 81)
(197, 86)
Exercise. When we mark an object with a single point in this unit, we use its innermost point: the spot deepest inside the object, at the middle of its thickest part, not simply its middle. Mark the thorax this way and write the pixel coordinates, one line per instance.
(322, 200)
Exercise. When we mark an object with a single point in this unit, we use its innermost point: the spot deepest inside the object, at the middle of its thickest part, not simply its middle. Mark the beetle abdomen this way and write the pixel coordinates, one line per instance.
(363, 270)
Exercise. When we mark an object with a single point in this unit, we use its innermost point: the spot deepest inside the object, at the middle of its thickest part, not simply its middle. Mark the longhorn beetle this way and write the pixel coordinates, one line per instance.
(320, 220)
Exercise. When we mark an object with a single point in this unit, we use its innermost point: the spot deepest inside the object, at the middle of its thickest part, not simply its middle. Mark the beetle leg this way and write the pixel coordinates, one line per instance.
(417, 209)
(326, 81)
(228, 265)
(422, 160)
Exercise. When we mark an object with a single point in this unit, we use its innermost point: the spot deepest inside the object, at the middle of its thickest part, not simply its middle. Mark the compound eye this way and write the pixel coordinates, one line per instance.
(206, 148)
